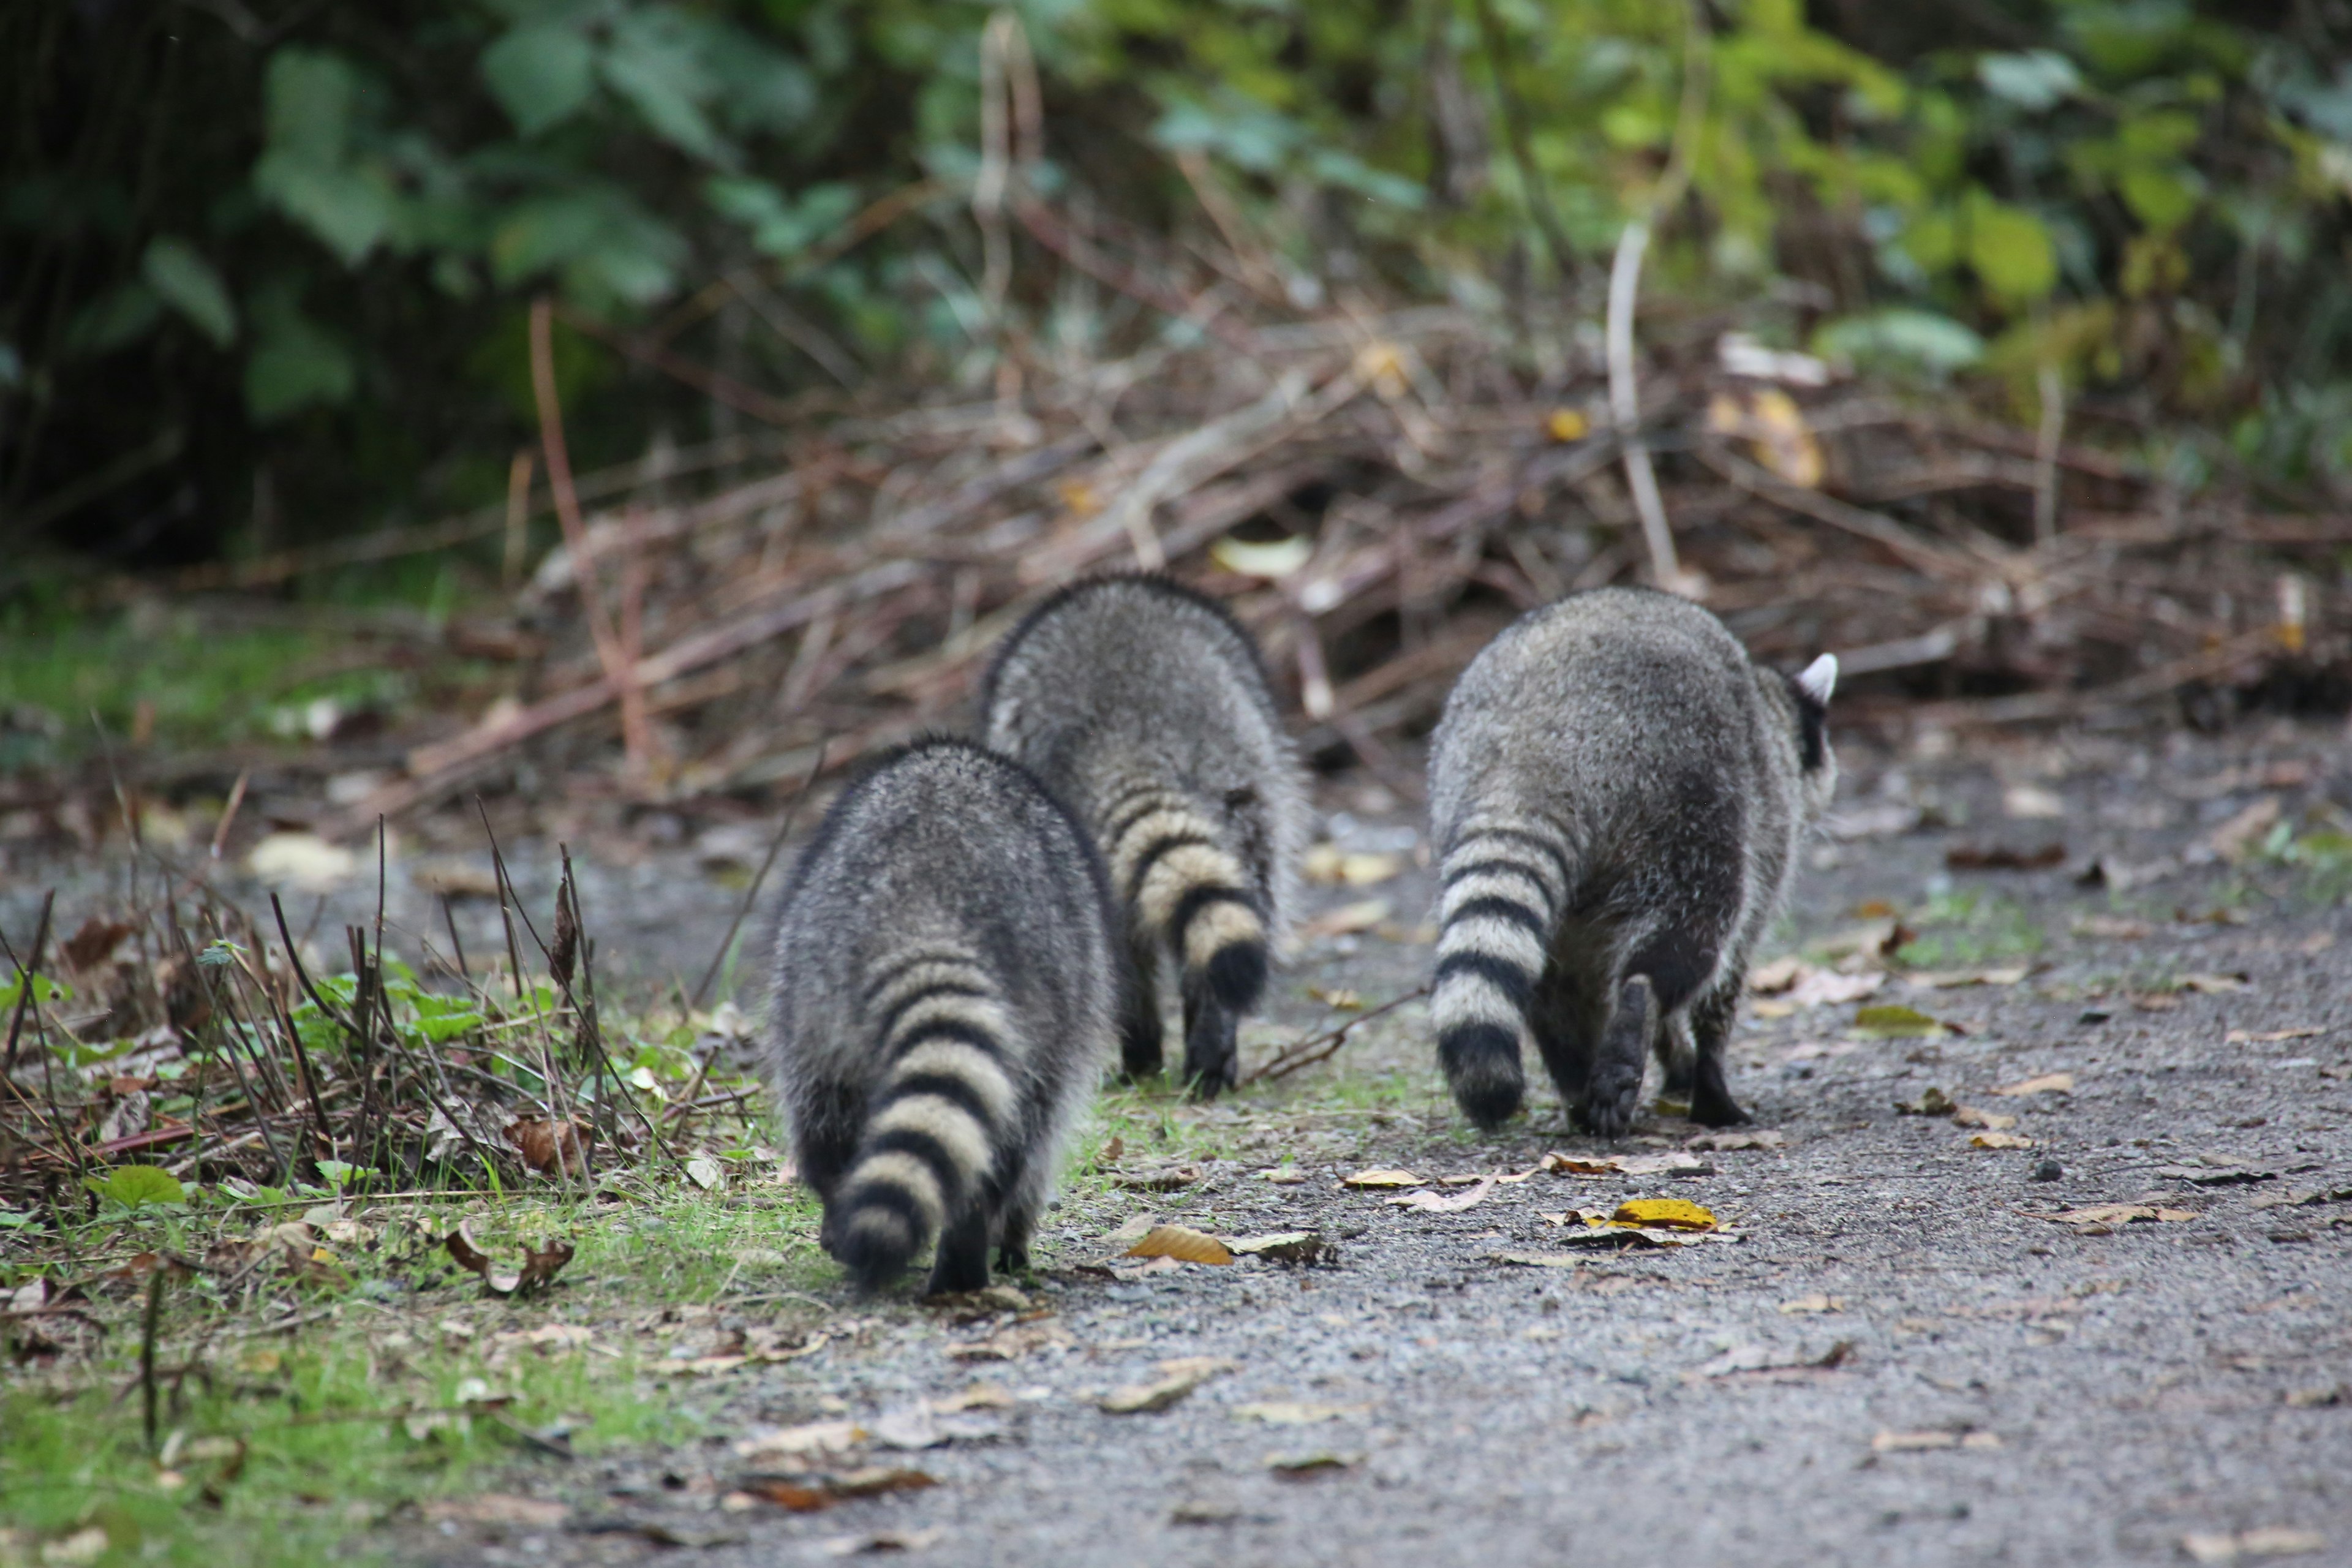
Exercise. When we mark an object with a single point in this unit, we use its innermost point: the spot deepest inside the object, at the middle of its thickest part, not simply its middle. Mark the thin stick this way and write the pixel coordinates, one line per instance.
(618, 668)
(228, 812)
(751, 893)
(25, 976)
(518, 518)
(1625, 406)
(2049, 437)
(1322, 1047)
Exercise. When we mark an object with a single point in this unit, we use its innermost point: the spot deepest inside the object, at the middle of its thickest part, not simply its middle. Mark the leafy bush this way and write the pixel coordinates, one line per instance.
(266, 261)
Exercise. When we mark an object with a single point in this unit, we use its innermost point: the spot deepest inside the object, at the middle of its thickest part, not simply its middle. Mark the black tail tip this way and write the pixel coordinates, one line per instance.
(1236, 974)
(1482, 1064)
(873, 1245)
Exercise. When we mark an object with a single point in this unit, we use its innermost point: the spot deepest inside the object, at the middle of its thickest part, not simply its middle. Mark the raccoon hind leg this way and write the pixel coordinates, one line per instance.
(1565, 1015)
(962, 1261)
(1613, 1088)
(1141, 1032)
(1711, 1017)
(1211, 1051)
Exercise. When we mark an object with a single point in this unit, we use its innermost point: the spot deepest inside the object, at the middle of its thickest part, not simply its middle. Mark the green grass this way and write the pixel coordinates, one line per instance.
(1968, 930)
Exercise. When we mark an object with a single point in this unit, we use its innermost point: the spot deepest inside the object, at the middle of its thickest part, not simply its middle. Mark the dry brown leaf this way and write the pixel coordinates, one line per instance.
(885, 1541)
(1294, 1413)
(1298, 1467)
(2119, 1214)
(1161, 1179)
(1730, 1141)
(1772, 979)
(1933, 1101)
(2047, 1083)
(551, 1148)
(1913, 1442)
(1814, 1303)
(809, 1493)
(1992, 1121)
(1177, 1379)
(2234, 837)
(1182, 1243)
(2271, 1037)
(1426, 1202)
(2213, 984)
(1283, 1176)
(1285, 1246)
(539, 1267)
(2000, 1140)
(498, 1508)
(1347, 919)
(801, 1442)
(2271, 1541)
(94, 943)
(1380, 1179)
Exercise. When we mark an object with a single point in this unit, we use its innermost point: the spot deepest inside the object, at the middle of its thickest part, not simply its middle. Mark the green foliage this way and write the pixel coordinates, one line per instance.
(2144, 195)
(136, 1186)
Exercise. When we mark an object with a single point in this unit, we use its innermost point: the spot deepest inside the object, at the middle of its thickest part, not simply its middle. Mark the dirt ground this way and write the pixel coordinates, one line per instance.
(1900, 1355)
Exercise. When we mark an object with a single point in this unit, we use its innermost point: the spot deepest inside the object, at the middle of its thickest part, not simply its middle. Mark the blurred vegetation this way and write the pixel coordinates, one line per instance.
(265, 264)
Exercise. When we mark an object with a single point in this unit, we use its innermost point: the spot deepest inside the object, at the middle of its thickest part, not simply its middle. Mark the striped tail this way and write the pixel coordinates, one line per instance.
(1168, 861)
(945, 1103)
(1503, 889)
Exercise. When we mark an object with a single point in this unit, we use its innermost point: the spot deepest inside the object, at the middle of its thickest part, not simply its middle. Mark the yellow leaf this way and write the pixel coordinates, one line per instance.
(2000, 1140)
(1380, 1179)
(1566, 425)
(1182, 1243)
(1381, 366)
(1991, 1120)
(1348, 918)
(1665, 1214)
(1079, 497)
(1270, 558)
(1784, 443)
(2048, 1083)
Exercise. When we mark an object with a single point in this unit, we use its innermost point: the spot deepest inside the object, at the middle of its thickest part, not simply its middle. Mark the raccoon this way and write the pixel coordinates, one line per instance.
(1144, 705)
(946, 989)
(1616, 793)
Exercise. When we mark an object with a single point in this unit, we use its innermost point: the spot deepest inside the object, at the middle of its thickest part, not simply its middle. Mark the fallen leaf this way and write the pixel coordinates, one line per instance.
(1134, 1229)
(1676, 1164)
(498, 1508)
(1342, 1000)
(1380, 1179)
(1566, 425)
(2048, 1083)
(1774, 427)
(1828, 988)
(812, 1492)
(885, 1541)
(301, 862)
(2213, 984)
(1894, 1022)
(1725, 1141)
(1160, 1179)
(1271, 559)
(2271, 1541)
(95, 942)
(2111, 928)
(1182, 1243)
(2001, 858)
(2118, 1213)
(2000, 1140)
(1934, 1102)
(1953, 979)
(1178, 1379)
(1329, 864)
(1770, 979)
(2271, 1037)
(539, 1267)
(1297, 1467)
(1749, 1360)
(799, 1442)
(923, 1425)
(705, 1173)
(551, 1148)
(2235, 837)
(1285, 1246)
(2032, 802)
(1913, 1442)
(1013, 1342)
(1283, 1176)
(1992, 1121)
(1815, 1303)
(1426, 1202)
(1666, 1214)
(1294, 1413)
(1348, 919)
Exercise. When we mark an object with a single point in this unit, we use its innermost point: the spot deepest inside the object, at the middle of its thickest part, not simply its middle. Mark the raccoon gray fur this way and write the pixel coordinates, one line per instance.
(1144, 705)
(946, 982)
(1616, 795)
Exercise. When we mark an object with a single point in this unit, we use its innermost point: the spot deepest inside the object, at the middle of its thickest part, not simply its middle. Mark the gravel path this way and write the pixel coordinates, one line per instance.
(1903, 1359)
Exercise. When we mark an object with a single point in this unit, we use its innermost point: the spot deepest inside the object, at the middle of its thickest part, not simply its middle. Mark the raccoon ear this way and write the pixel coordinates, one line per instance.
(1818, 678)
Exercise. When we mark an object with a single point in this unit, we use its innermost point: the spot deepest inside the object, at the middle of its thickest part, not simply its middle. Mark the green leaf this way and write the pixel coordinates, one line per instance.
(2161, 198)
(296, 363)
(653, 64)
(186, 282)
(308, 96)
(134, 1186)
(340, 1173)
(348, 208)
(2011, 251)
(1894, 1022)
(45, 991)
(2035, 81)
(119, 317)
(540, 74)
(1896, 337)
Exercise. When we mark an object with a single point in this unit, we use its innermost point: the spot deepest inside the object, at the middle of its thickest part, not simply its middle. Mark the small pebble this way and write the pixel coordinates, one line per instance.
(2048, 1170)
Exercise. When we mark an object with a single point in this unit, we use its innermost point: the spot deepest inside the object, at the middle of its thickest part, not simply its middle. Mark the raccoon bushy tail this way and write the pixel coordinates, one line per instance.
(1168, 861)
(933, 1129)
(1503, 890)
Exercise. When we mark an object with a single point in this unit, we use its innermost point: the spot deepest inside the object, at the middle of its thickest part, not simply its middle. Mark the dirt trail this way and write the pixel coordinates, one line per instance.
(1903, 1359)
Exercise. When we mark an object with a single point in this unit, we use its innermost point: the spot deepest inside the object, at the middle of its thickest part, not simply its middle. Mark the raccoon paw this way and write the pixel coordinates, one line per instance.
(1712, 1106)
(1610, 1099)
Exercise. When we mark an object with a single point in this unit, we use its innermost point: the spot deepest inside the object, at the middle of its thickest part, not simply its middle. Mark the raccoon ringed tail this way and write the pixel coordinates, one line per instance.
(1502, 891)
(1170, 861)
(945, 1101)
